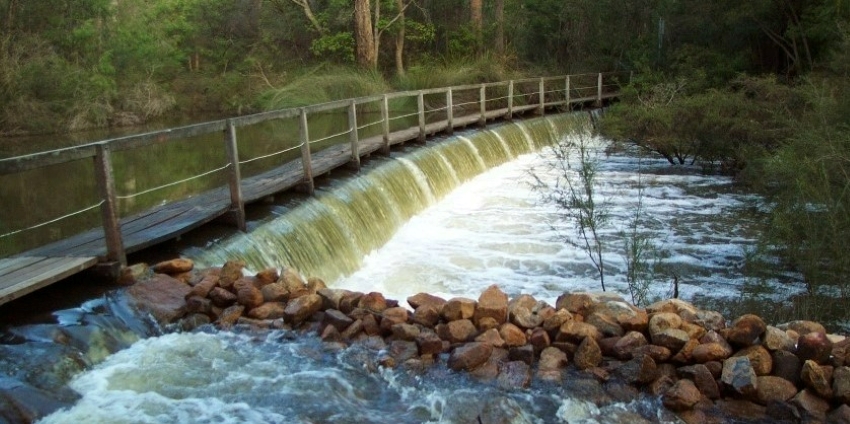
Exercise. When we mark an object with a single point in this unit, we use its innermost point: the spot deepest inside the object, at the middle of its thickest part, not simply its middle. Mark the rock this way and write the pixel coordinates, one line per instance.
(841, 384)
(514, 375)
(675, 306)
(817, 378)
(427, 315)
(671, 338)
(353, 330)
(539, 339)
(370, 325)
(492, 337)
(374, 302)
(840, 415)
(249, 296)
(760, 359)
(469, 356)
(275, 292)
(336, 318)
(26, 403)
(607, 346)
(161, 296)
(458, 331)
(230, 315)
(802, 327)
(682, 396)
(314, 284)
(331, 335)
(657, 353)
(422, 299)
(663, 321)
(742, 410)
(746, 330)
(493, 303)
(710, 352)
(331, 298)
(738, 375)
(626, 316)
(640, 370)
(132, 274)
(193, 321)
(776, 339)
(588, 354)
(402, 350)
(221, 297)
(606, 325)
(349, 301)
(814, 346)
(204, 287)
(786, 365)
(230, 272)
(429, 343)
(554, 322)
(512, 335)
(525, 318)
(551, 365)
(702, 378)
(301, 308)
(710, 320)
(270, 310)
(407, 332)
(774, 389)
(174, 266)
(198, 305)
(266, 277)
(574, 331)
(393, 316)
(575, 303)
(685, 354)
(522, 353)
(458, 308)
(487, 323)
(813, 406)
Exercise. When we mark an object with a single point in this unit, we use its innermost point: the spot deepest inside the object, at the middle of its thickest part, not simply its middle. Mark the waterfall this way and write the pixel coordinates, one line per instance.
(329, 235)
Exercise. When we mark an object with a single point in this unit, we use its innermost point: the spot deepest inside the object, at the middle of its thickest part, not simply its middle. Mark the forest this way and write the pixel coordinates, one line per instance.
(758, 89)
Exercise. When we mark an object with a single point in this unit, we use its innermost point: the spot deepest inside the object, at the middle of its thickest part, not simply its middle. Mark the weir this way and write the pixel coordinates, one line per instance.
(329, 235)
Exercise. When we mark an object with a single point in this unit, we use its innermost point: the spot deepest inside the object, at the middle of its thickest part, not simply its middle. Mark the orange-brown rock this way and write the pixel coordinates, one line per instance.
(802, 327)
(427, 315)
(671, 338)
(230, 315)
(421, 299)
(393, 316)
(174, 266)
(605, 324)
(458, 308)
(702, 378)
(814, 407)
(760, 359)
(429, 343)
(349, 300)
(493, 303)
(221, 297)
(556, 320)
(575, 303)
(404, 331)
(198, 305)
(492, 337)
(266, 277)
(513, 335)
(552, 364)
(657, 353)
(249, 296)
(458, 331)
(161, 296)
(469, 356)
(230, 272)
(588, 354)
(817, 378)
(269, 310)
(745, 330)
(352, 331)
(373, 301)
(624, 347)
(204, 287)
(275, 292)
(626, 316)
(539, 339)
(841, 384)
(574, 331)
(685, 355)
(710, 352)
(682, 396)
(694, 331)
(336, 318)
(301, 308)
(777, 339)
(314, 284)
(774, 389)
(663, 321)
(639, 370)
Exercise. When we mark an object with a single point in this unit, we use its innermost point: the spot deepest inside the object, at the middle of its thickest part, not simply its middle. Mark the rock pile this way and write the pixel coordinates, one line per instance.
(693, 359)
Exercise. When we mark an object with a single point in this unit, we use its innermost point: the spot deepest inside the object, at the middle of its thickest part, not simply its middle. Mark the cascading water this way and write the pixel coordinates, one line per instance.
(370, 233)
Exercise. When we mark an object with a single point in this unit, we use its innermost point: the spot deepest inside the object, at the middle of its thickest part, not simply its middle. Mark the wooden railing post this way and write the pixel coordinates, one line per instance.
(237, 204)
(510, 100)
(482, 106)
(420, 102)
(385, 116)
(109, 208)
(567, 96)
(450, 125)
(353, 136)
(599, 91)
(306, 160)
(541, 109)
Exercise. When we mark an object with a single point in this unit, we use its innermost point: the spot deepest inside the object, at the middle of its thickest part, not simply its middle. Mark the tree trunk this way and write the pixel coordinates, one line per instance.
(308, 12)
(399, 40)
(500, 27)
(476, 18)
(364, 40)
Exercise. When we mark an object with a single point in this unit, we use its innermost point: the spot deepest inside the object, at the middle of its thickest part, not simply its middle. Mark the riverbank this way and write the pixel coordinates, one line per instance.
(704, 367)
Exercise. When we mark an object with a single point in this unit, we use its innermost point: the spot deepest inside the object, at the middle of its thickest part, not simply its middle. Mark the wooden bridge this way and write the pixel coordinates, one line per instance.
(107, 245)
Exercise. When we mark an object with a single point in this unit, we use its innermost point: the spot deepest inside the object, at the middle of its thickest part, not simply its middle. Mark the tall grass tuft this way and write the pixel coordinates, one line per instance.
(324, 85)
(438, 75)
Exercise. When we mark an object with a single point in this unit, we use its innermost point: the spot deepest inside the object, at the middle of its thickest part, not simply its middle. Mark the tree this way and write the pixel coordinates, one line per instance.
(366, 54)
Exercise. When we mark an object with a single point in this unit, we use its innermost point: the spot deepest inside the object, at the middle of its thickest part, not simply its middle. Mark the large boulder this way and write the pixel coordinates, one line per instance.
(162, 296)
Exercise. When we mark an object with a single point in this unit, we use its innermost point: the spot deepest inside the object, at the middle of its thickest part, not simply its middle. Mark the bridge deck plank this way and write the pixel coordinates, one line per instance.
(39, 272)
